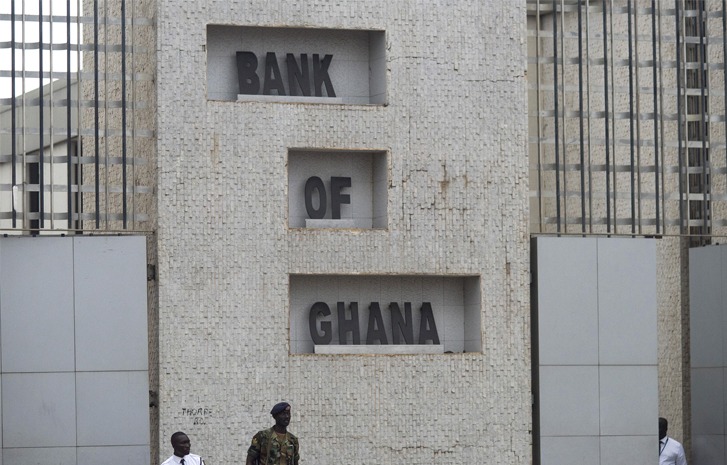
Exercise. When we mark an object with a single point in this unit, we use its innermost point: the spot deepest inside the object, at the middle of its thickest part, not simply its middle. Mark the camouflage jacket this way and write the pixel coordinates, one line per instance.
(267, 448)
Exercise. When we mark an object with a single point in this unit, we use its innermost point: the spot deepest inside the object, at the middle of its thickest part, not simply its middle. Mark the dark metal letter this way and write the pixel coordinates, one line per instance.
(315, 183)
(400, 325)
(336, 197)
(301, 75)
(320, 308)
(246, 75)
(320, 75)
(346, 325)
(273, 78)
(428, 332)
(375, 330)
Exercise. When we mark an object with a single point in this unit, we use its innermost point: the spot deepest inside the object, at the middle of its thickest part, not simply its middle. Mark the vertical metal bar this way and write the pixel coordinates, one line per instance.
(78, 169)
(637, 119)
(724, 69)
(23, 112)
(704, 85)
(606, 120)
(557, 116)
(133, 117)
(656, 111)
(97, 154)
(13, 120)
(631, 118)
(69, 158)
(588, 112)
(564, 126)
(123, 111)
(680, 135)
(51, 123)
(661, 118)
(41, 160)
(539, 125)
(580, 118)
(106, 132)
(614, 138)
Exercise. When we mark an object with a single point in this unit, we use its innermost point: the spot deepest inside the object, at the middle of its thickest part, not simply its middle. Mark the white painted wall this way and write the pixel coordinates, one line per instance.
(708, 349)
(597, 368)
(74, 347)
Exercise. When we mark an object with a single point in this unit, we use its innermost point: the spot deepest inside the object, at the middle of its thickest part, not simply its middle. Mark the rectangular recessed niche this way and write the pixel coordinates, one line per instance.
(296, 65)
(337, 189)
(383, 314)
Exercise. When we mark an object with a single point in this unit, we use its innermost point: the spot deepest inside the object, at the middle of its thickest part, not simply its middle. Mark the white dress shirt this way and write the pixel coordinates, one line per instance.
(189, 459)
(671, 452)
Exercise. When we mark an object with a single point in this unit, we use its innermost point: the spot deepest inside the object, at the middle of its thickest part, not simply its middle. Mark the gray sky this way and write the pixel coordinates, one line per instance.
(30, 33)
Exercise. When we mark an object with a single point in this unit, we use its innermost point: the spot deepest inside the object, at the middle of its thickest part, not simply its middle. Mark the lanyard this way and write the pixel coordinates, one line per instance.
(663, 447)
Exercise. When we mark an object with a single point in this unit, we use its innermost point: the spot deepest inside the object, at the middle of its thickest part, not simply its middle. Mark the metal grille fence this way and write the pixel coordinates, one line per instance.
(76, 90)
(627, 116)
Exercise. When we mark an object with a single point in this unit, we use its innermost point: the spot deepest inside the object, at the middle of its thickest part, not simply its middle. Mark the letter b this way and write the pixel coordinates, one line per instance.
(246, 75)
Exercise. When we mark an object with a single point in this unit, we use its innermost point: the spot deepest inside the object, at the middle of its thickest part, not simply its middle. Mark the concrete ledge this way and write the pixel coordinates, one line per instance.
(286, 99)
(342, 223)
(392, 349)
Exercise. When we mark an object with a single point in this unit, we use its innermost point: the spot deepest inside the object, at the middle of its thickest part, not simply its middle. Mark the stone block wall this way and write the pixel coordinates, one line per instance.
(453, 127)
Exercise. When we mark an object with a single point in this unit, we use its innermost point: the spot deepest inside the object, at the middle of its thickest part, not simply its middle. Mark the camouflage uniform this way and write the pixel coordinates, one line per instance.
(267, 449)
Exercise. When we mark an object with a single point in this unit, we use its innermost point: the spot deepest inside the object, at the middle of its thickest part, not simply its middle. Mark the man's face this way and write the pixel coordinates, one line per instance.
(181, 445)
(283, 418)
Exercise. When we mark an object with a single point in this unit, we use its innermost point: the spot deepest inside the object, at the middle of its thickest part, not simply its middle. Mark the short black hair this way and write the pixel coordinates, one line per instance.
(176, 435)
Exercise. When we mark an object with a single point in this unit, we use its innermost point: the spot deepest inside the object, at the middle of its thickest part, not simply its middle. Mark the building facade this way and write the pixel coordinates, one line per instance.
(441, 231)
(236, 270)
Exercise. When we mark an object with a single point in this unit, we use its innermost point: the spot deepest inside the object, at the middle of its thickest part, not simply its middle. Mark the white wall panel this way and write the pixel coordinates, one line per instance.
(79, 315)
(39, 456)
(119, 455)
(708, 449)
(627, 301)
(130, 425)
(36, 279)
(570, 450)
(706, 300)
(628, 400)
(708, 338)
(567, 301)
(110, 303)
(569, 401)
(708, 400)
(39, 409)
(629, 450)
(597, 374)
(720, 315)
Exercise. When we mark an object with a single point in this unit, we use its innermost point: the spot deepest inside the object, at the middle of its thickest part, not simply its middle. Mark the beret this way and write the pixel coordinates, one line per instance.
(279, 408)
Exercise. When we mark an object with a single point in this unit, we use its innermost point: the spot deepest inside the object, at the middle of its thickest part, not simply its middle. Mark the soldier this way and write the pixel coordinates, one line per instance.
(276, 445)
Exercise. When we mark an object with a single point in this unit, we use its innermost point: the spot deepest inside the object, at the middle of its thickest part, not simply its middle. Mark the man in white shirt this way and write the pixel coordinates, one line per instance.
(671, 451)
(181, 456)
